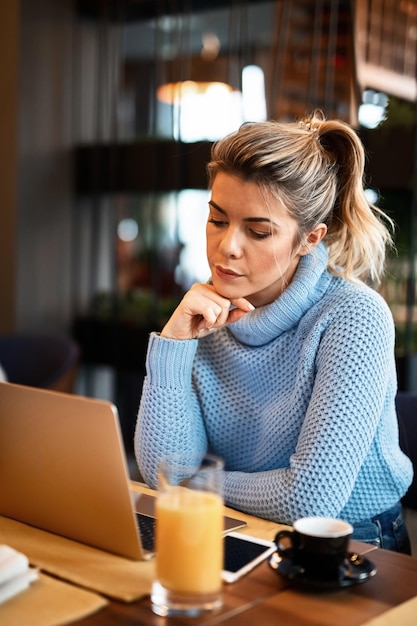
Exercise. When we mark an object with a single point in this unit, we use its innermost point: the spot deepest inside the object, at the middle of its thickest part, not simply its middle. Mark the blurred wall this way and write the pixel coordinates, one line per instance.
(43, 288)
(36, 181)
(9, 28)
(47, 236)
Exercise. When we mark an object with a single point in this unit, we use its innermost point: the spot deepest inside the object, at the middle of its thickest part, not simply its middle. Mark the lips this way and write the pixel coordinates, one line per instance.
(226, 274)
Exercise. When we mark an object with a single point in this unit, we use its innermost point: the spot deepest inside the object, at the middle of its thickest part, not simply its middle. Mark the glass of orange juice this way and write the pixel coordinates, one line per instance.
(189, 536)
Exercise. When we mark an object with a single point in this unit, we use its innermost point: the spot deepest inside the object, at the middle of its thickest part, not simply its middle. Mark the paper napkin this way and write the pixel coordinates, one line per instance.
(15, 573)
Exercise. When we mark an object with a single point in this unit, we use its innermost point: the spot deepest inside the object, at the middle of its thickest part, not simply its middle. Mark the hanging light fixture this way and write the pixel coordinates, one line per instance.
(176, 93)
(202, 98)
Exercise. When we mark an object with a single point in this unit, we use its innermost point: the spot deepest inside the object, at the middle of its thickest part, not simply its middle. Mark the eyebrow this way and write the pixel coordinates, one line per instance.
(246, 219)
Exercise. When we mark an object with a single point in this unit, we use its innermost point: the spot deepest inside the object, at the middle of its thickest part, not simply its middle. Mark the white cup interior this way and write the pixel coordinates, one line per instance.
(323, 527)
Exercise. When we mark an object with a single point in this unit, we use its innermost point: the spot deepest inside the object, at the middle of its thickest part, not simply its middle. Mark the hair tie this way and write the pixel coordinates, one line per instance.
(308, 124)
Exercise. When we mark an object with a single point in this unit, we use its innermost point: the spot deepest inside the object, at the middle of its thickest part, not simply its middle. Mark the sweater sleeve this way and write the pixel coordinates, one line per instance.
(353, 388)
(169, 418)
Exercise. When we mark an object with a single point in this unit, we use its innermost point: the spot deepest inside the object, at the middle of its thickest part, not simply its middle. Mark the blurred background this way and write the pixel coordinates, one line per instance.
(108, 111)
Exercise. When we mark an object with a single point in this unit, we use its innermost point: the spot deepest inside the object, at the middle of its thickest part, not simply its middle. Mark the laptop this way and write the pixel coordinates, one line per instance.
(63, 469)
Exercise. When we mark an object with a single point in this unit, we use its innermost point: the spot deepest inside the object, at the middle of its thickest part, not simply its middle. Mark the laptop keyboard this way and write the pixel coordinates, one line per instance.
(146, 531)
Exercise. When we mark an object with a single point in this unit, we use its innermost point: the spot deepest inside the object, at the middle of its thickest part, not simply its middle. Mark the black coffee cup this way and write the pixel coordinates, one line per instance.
(317, 545)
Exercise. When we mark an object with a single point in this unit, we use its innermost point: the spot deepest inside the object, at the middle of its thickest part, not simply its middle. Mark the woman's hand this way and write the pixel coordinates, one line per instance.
(201, 311)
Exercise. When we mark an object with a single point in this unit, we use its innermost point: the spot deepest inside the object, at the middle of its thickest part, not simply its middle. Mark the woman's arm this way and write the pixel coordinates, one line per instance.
(355, 377)
(169, 416)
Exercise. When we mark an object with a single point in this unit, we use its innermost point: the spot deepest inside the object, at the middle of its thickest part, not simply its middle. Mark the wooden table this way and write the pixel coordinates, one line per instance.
(263, 598)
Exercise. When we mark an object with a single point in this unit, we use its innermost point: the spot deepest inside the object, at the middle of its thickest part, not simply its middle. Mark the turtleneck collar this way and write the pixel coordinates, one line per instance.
(307, 287)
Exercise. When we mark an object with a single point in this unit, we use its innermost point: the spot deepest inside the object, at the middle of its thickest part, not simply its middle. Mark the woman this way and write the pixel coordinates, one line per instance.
(283, 363)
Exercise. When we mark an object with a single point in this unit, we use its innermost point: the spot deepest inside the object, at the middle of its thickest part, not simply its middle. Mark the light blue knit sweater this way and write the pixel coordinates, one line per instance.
(297, 397)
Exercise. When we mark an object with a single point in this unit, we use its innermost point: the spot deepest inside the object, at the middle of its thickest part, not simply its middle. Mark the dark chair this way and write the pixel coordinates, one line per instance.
(40, 360)
(406, 403)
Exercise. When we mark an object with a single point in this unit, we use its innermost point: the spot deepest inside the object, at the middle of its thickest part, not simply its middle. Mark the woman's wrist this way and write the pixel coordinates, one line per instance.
(178, 335)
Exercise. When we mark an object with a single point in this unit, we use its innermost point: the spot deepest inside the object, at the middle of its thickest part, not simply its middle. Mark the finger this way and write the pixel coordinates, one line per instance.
(213, 314)
(218, 316)
(203, 332)
(243, 304)
(207, 318)
(235, 315)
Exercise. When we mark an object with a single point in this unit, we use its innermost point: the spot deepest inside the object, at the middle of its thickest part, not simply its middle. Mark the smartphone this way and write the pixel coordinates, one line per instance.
(242, 553)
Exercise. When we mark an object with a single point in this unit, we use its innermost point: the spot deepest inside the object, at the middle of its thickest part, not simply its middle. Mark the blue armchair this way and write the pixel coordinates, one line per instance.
(40, 360)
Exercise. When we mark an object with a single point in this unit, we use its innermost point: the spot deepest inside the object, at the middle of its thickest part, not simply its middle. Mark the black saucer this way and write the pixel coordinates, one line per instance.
(356, 569)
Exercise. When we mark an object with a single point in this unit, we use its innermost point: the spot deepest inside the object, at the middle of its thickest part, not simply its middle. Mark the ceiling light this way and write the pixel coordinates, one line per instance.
(174, 93)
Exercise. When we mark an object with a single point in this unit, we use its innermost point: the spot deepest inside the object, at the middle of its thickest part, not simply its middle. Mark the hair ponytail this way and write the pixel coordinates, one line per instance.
(357, 237)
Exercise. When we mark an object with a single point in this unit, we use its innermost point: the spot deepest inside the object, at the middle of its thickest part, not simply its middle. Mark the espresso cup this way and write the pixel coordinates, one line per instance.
(317, 545)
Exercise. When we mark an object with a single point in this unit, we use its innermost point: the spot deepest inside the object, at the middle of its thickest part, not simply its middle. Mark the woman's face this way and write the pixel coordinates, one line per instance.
(250, 241)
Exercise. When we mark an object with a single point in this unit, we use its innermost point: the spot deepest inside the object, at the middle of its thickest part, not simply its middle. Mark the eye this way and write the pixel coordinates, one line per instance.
(217, 223)
(259, 235)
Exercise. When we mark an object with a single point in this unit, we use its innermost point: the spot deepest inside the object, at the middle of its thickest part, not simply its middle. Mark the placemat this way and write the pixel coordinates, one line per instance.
(94, 569)
(88, 567)
(49, 602)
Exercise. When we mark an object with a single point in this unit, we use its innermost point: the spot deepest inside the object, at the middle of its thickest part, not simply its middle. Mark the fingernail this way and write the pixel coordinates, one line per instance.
(205, 331)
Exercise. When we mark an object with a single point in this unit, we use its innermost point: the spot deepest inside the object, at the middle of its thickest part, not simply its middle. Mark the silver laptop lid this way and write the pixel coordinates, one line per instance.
(63, 468)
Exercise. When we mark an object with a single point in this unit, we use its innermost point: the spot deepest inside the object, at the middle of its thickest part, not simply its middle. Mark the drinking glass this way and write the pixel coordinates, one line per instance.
(189, 536)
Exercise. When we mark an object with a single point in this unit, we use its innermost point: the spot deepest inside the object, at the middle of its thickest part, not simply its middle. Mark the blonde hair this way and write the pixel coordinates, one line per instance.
(315, 167)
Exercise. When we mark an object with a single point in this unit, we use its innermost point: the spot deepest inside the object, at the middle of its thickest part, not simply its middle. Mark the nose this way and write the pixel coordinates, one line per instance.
(230, 245)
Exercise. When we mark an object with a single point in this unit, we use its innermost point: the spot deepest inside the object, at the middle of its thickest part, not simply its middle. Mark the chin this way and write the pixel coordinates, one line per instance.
(231, 293)
(227, 291)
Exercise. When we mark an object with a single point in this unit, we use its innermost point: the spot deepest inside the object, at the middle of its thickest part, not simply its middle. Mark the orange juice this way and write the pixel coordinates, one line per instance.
(189, 541)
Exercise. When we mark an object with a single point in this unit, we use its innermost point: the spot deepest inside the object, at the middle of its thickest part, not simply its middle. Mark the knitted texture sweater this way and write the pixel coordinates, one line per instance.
(297, 397)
